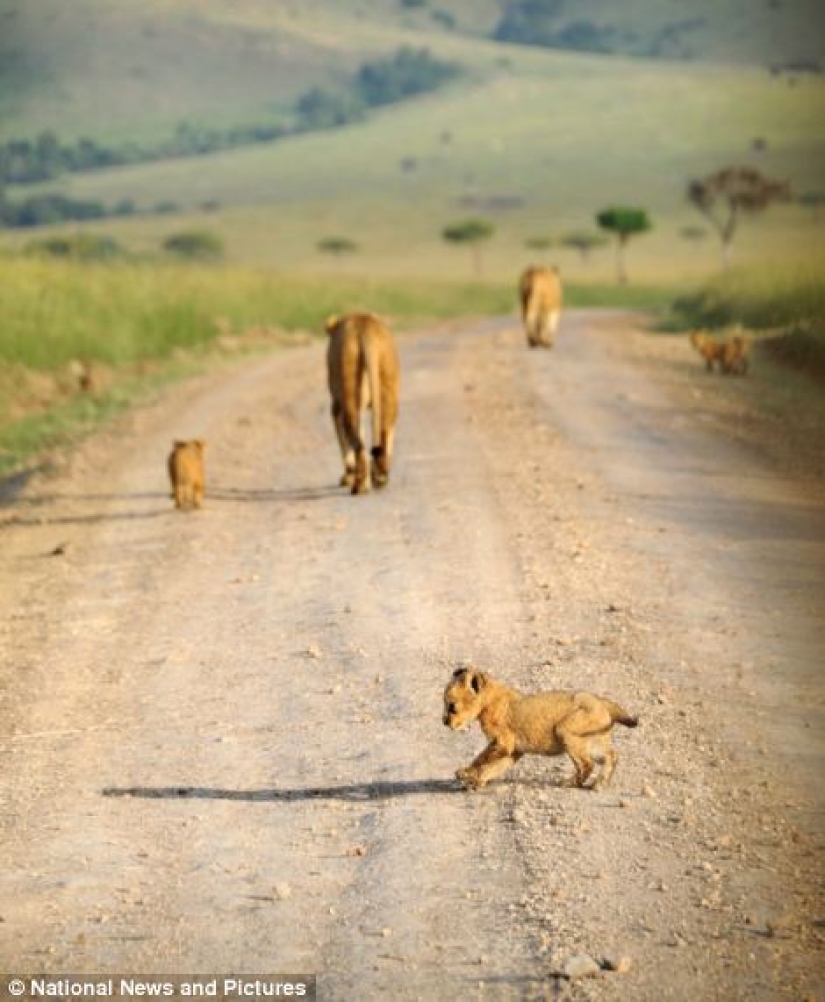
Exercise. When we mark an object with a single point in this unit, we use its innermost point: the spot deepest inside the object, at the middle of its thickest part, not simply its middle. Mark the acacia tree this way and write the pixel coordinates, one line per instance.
(813, 200)
(538, 243)
(724, 196)
(584, 241)
(624, 222)
(337, 245)
(473, 232)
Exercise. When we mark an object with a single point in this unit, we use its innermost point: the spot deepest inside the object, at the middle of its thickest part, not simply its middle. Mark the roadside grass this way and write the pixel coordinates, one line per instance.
(655, 298)
(144, 324)
(786, 307)
(64, 418)
(123, 313)
(762, 299)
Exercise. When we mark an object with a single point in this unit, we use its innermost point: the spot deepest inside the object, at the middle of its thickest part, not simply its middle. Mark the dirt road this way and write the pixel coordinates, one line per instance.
(222, 739)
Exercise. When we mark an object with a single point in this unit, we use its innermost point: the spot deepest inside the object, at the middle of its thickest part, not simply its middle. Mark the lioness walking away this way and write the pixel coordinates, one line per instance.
(362, 366)
(577, 724)
(186, 473)
(540, 296)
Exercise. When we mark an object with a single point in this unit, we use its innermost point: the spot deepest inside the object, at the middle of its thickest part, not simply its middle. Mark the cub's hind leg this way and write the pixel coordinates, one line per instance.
(603, 752)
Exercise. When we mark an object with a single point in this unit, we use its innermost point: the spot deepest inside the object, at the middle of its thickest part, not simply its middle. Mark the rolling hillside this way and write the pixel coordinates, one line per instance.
(534, 138)
(124, 68)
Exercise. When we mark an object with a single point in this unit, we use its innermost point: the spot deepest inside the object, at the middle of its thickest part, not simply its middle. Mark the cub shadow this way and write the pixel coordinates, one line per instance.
(382, 790)
(215, 497)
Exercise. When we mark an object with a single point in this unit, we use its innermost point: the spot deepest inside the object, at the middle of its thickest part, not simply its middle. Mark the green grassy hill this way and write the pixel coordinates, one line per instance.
(533, 138)
(135, 68)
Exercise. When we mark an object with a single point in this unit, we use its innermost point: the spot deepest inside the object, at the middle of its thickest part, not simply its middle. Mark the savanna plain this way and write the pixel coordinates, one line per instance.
(221, 729)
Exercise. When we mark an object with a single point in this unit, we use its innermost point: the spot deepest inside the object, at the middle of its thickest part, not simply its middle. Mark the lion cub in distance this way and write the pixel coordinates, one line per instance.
(731, 354)
(549, 723)
(186, 473)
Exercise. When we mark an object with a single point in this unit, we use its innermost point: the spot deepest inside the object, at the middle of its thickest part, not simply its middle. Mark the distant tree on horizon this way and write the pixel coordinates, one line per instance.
(813, 200)
(195, 245)
(624, 222)
(584, 241)
(337, 245)
(473, 232)
(538, 243)
(723, 197)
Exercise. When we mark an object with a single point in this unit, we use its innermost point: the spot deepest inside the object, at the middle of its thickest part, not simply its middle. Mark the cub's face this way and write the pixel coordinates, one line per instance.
(462, 698)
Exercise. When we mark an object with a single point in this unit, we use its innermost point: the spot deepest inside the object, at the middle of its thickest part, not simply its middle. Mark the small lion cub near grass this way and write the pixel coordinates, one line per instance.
(186, 473)
(577, 724)
(731, 354)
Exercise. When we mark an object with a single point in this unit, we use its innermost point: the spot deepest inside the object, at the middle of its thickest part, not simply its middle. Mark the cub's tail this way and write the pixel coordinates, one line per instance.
(620, 716)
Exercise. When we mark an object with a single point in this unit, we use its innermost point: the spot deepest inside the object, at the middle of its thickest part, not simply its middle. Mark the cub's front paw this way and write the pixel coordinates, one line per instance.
(468, 778)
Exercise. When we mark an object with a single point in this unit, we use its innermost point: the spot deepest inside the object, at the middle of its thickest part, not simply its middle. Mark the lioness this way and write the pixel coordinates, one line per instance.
(549, 723)
(540, 295)
(362, 365)
(186, 473)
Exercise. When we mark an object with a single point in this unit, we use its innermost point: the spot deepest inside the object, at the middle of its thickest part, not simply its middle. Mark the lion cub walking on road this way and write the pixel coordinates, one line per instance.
(731, 354)
(540, 297)
(186, 473)
(362, 368)
(577, 724)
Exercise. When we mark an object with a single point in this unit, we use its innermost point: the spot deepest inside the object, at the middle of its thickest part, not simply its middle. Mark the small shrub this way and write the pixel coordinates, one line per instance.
(337, 245)
(195, 245)
(81, 247)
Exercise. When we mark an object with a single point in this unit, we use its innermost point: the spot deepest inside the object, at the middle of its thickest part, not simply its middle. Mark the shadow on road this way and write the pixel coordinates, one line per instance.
(355, 791)
(272, 494)
(215, 495)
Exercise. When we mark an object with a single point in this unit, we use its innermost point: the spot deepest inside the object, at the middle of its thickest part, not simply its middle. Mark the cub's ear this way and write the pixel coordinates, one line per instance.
(478, 681)
(331, 323)
(180, 444)
(200, 444)
(464, 672)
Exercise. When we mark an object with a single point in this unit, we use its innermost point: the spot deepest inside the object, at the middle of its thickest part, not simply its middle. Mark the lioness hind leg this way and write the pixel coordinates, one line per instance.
(532, 327)
(361, 483)
(382, 459)
(347, 452)
(550, 327)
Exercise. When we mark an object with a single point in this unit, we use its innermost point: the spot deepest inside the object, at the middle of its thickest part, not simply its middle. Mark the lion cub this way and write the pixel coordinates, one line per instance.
(710, 348)
(735, 356)
(550, 723)
(730, 353)
(186, 473)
